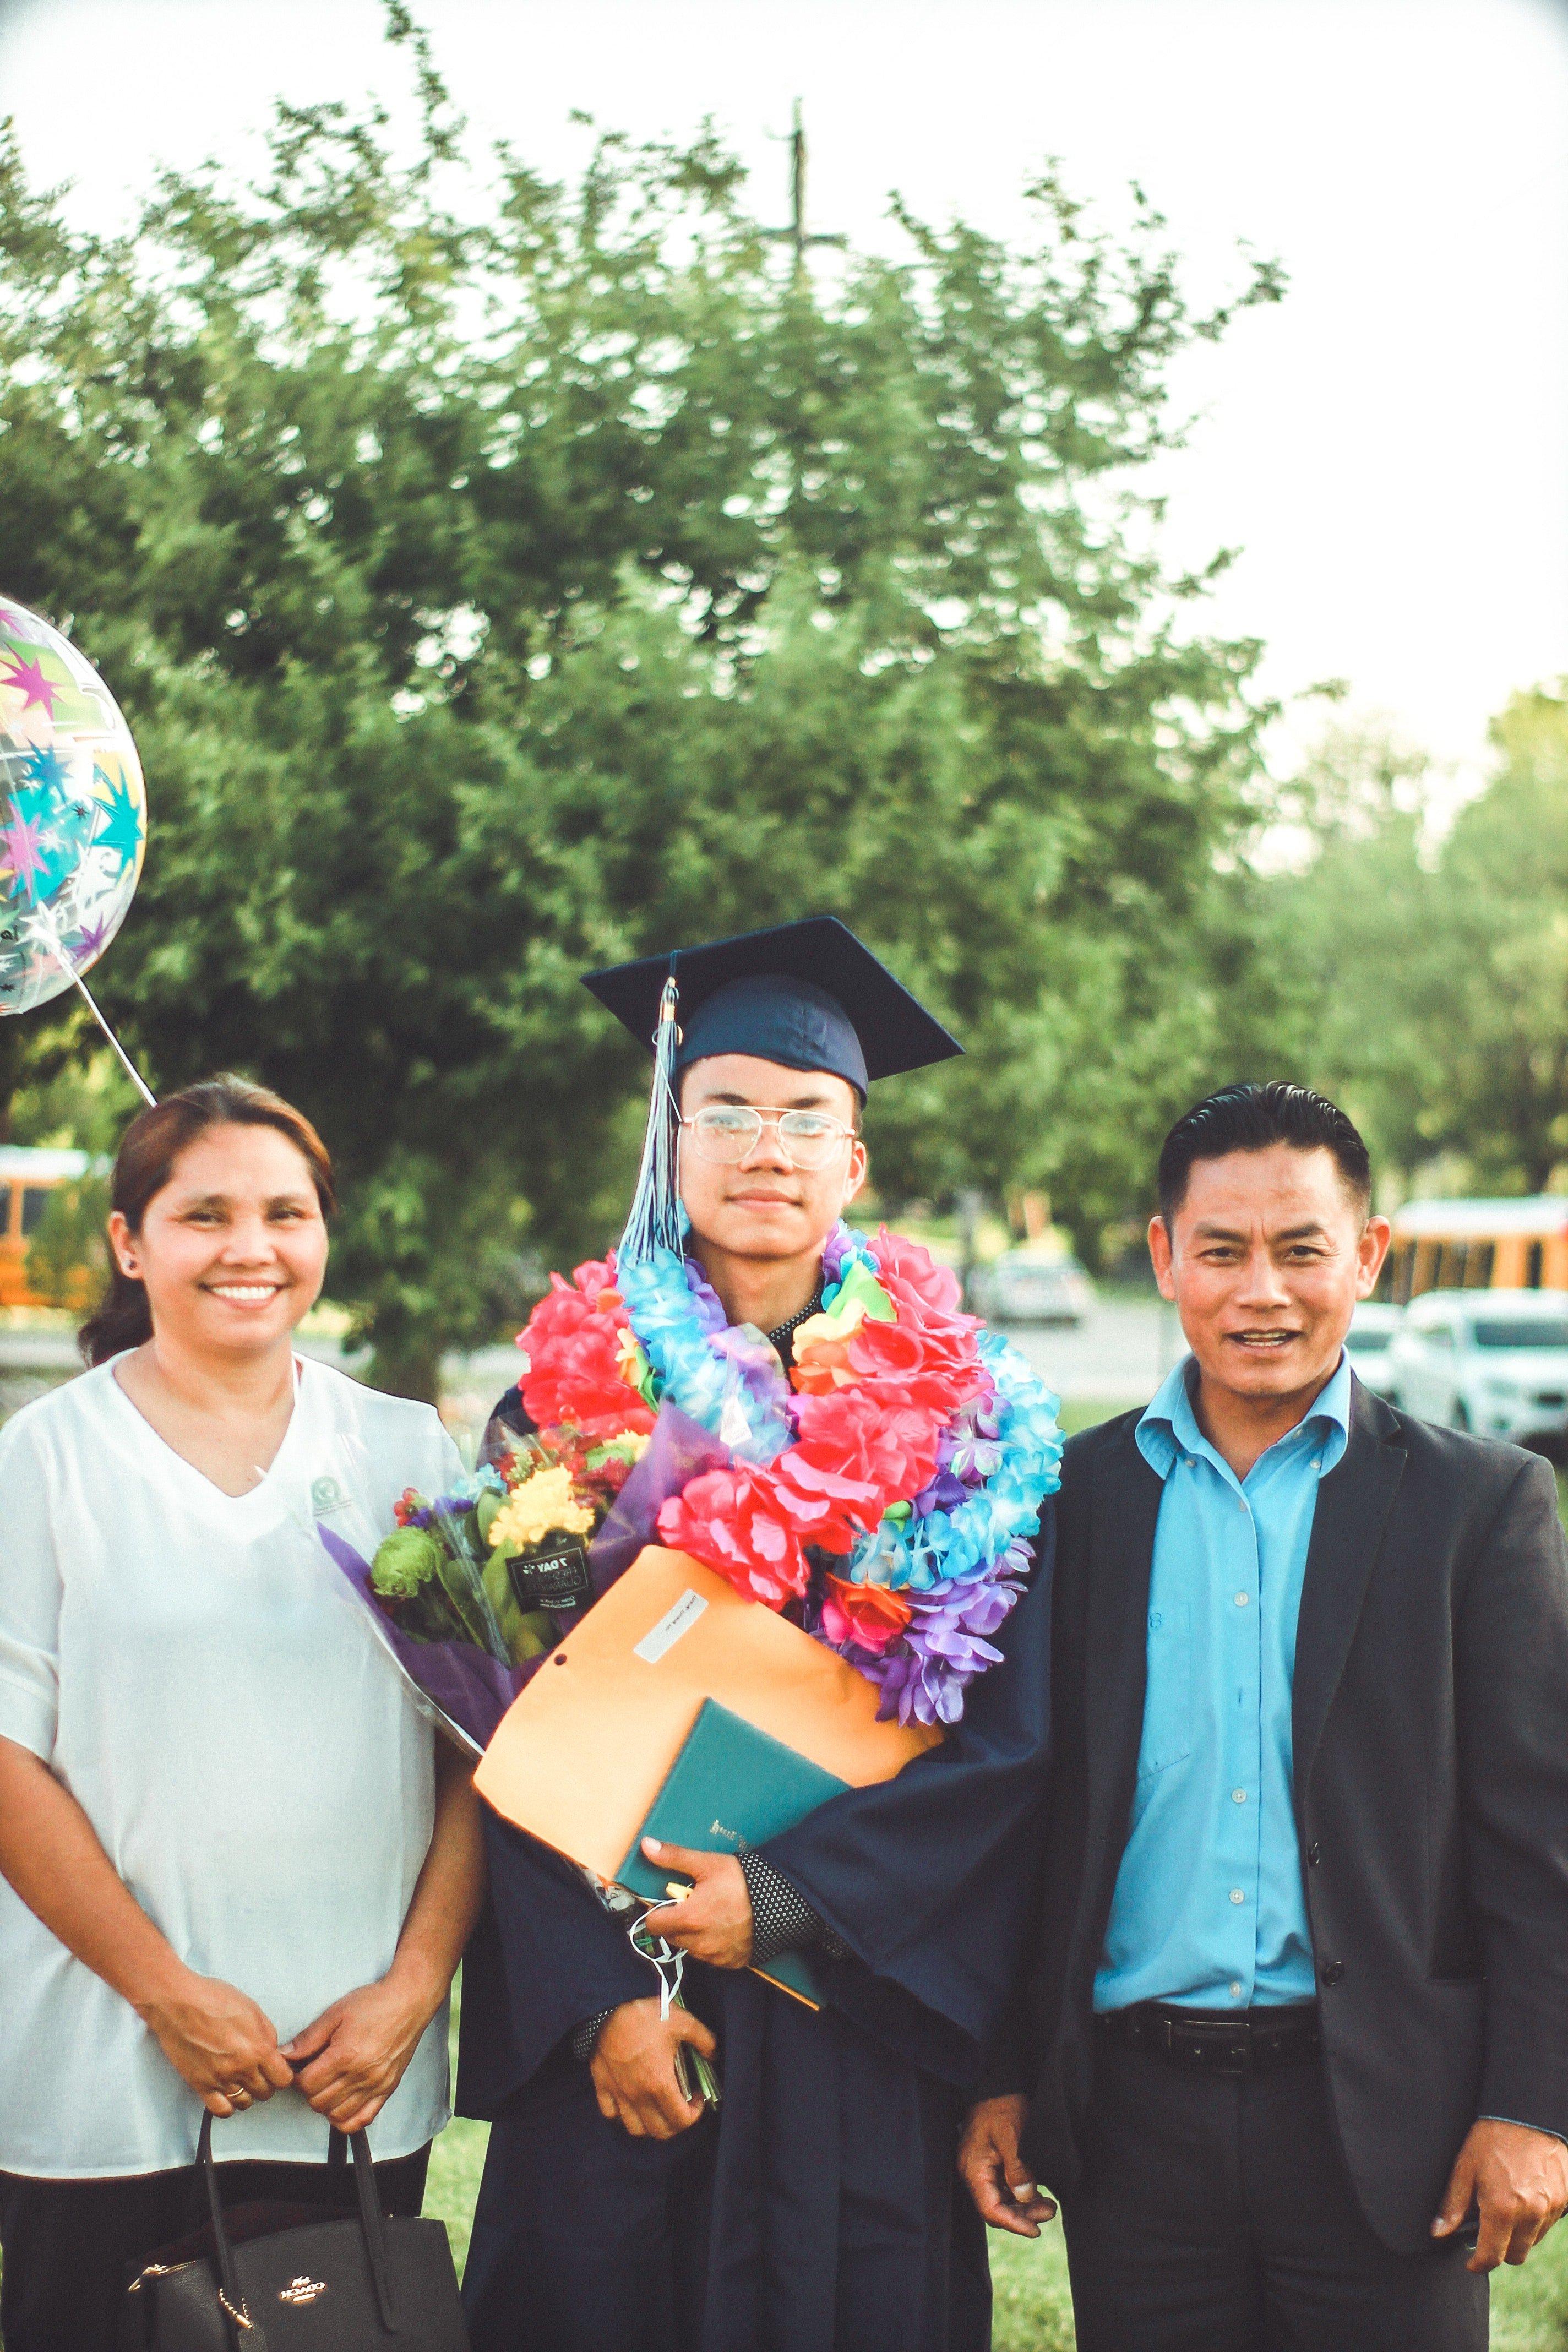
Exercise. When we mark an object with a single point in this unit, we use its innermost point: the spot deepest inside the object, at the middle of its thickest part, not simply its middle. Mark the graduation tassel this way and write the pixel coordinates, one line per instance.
(654, 1221)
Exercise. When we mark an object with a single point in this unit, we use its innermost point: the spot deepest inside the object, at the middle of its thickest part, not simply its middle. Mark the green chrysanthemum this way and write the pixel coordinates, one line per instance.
(405, 1560)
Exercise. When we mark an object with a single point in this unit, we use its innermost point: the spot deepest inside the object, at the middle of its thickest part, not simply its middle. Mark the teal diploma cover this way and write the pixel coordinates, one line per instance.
(732, 1786)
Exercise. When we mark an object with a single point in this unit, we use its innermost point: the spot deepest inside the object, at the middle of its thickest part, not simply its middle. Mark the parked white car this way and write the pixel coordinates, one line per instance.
(1368, 1341)
(1492, 1360)
(1032, 1284)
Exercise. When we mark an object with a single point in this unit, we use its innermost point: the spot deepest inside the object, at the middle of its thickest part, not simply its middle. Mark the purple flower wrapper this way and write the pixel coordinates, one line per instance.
(464, 1683)
(679, 1450)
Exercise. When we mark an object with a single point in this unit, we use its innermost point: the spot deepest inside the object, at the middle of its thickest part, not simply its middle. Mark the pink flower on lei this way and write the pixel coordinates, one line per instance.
(575, 1358)
(733, 1521)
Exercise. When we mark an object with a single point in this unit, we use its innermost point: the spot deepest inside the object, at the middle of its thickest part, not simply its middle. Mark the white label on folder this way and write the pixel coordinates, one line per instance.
(675, 1621)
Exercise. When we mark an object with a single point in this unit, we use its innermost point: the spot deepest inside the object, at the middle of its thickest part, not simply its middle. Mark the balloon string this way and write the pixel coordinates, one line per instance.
(127, 1064)
(52, 943)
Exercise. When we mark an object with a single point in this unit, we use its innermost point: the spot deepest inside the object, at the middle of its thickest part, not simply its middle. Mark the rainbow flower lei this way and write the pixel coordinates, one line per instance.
(891, 1484)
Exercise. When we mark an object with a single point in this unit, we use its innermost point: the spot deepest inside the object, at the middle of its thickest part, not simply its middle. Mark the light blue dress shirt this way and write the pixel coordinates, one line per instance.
(1208, 1909)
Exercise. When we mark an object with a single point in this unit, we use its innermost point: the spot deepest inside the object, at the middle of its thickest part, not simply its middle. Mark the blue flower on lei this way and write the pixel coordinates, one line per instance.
(718, 1376)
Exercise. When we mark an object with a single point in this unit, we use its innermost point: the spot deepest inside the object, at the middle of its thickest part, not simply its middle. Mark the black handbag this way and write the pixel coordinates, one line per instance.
(321, 2281)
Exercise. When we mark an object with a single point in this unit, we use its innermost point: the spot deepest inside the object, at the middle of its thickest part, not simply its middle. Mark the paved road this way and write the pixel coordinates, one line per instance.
(1117, 1356)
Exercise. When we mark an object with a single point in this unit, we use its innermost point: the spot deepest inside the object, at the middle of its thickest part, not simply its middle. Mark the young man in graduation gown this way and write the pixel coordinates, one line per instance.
(817, 2206)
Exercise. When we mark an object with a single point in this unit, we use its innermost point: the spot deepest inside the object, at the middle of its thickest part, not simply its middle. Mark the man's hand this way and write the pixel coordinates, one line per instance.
(1518, 2179)
(633, 2067)
(1005, 2194)
(350, 2062)
(714, 1922)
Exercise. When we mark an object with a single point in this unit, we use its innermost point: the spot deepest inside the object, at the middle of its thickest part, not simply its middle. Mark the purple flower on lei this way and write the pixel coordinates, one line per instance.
(710, 1313)
(945, 1645)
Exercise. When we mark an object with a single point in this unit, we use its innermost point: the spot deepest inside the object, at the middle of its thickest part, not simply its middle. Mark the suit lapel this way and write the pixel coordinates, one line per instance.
(1353, 1503)
(1126, 1509)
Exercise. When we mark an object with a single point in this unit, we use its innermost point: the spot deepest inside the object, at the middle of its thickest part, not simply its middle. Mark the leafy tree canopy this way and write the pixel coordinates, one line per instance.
(506, 579)
(1423, 972)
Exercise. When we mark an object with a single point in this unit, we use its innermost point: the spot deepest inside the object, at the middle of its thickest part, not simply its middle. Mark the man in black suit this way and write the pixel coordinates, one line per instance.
(1293, 2049)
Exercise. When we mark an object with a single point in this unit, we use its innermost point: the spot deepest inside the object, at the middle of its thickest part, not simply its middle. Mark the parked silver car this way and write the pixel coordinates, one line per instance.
(1491, 1360)
(1370, 1340)
(1032, 1286)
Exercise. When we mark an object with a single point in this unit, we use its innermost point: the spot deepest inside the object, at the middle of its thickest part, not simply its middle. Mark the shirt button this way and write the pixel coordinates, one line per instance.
(1236, 1895)
(1242, 1506)
(1236, 1991)
(1332, 1971)
(1242, 1599)
(1191, 1461)
(1238, 1796)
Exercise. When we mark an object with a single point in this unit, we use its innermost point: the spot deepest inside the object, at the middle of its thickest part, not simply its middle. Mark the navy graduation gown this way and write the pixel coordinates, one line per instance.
(818, 2209)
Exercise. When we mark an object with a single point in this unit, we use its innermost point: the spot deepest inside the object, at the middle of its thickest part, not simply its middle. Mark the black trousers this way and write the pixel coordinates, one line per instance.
(1215, 2215)
(69, 2247)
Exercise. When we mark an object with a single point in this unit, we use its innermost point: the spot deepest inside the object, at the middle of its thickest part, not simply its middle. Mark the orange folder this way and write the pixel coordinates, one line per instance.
(583, 1750)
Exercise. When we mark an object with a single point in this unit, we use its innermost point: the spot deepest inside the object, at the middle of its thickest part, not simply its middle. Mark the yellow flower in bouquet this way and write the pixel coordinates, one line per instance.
(542, 1505)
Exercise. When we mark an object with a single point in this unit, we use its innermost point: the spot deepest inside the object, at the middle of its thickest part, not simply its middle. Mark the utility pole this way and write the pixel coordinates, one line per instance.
(797, 235)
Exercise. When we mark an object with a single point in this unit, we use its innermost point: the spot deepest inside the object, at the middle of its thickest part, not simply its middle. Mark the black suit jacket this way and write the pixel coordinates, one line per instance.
(1430, 1729)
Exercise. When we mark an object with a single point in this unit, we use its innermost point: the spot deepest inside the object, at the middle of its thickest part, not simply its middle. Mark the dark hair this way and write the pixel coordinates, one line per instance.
(144, 1163)
(1249, 1117)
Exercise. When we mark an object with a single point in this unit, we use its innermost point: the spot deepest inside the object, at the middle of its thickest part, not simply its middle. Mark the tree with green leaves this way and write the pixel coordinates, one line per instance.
(1426, 970)
(508, 577)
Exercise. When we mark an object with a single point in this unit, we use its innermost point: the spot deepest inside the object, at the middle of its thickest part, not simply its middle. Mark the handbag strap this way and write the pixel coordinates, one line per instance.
(245, 2331)
(246, 2334)
(373, 2227)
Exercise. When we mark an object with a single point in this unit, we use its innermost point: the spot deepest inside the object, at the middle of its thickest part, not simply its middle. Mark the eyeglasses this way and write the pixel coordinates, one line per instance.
(730, 1132)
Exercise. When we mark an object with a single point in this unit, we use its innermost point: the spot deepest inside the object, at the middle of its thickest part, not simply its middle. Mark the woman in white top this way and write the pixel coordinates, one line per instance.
(239, 1869)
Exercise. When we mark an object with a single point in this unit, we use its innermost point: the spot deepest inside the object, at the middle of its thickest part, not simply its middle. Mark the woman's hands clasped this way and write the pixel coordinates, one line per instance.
(218, 2040)
(350, 2060)
(347, 2064)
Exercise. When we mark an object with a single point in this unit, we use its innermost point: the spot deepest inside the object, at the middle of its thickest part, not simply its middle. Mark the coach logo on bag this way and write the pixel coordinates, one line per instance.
(301, 2290)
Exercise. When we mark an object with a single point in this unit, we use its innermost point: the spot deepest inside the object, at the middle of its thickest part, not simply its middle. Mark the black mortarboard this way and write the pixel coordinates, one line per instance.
(806, 994)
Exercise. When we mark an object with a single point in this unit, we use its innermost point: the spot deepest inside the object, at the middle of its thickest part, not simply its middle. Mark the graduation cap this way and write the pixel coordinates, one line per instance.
(808, 995)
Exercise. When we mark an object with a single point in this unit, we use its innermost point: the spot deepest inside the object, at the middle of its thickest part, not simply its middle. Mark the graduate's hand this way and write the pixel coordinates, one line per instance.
(1517, 2179)
(714, 1922)
(633, 2067)
(1005, 2194)
(350, 2060)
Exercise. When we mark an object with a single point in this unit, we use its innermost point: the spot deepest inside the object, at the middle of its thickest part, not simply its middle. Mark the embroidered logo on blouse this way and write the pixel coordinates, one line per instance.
(326, 1496)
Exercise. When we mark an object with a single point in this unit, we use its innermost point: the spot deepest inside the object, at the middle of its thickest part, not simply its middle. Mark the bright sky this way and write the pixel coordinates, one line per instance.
(1386, 448)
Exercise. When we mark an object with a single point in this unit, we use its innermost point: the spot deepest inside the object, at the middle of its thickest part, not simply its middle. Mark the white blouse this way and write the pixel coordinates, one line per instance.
(193, 1668)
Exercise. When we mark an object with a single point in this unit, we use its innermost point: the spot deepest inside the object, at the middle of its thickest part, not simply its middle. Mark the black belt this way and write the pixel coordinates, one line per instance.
(1211, 2042)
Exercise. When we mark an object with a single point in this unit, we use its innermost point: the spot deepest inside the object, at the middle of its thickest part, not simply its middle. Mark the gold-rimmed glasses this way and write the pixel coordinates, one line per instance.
(728, 1133)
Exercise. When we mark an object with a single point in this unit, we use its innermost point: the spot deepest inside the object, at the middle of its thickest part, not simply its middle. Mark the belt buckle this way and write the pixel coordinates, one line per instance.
(1218, 2049)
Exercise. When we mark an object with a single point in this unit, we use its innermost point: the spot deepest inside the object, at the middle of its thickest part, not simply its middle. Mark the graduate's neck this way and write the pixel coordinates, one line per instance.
(759, 1290)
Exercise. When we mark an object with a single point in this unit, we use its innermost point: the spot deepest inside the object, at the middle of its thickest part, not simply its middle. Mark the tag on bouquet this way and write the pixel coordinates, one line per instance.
(556, 1579)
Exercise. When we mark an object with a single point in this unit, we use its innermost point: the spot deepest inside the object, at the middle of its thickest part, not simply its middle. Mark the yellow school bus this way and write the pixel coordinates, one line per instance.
(1518, 1245)
(26, 1180)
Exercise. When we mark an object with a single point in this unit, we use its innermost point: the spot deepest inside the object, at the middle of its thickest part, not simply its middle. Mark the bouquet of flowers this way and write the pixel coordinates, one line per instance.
(469, 1587)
